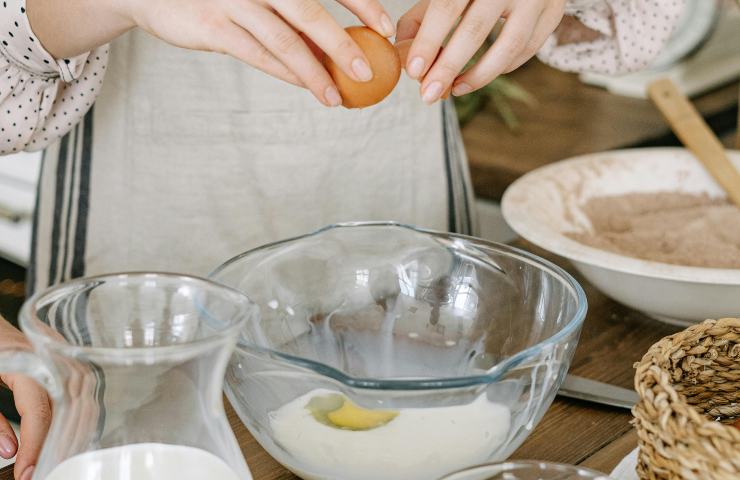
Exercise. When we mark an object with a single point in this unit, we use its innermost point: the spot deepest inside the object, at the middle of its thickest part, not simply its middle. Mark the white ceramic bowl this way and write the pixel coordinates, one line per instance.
(545, 204)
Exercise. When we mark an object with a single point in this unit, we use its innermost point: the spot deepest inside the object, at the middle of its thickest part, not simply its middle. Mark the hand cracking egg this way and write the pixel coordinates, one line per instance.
(384, 63)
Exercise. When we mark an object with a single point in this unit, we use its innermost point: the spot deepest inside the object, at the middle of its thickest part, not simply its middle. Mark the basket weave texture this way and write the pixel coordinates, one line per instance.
(687, 382)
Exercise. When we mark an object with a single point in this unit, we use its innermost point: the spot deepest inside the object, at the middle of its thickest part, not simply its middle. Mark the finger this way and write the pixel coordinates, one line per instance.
(438, 20)
(241, 45)
(547, 23)
(410, 22)
(512, 41)
(312, 19)
(372, 14)
(315, 49)
(471, 32)
(33, 405)
(288, 47)
(8, 440)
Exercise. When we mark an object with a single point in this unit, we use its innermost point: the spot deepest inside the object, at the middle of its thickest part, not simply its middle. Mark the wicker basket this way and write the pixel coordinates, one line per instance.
(686, 383)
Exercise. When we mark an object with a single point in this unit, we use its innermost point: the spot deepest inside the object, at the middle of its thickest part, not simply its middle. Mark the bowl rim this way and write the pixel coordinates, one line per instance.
(536, 464)
(554, 241)
(37, 331)
(491, 375)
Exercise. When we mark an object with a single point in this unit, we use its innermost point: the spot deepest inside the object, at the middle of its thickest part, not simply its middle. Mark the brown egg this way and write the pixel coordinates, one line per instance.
(384, 62)
(403, 48)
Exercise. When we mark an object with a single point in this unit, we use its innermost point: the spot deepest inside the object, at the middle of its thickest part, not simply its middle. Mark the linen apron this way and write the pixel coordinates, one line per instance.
(189, 158)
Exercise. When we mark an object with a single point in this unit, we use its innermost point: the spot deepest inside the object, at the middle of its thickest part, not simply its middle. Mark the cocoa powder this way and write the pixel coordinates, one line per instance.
(675, 228)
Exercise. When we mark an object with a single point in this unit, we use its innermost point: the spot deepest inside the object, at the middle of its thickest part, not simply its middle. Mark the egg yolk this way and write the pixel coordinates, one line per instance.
(339, 412)
(352, 417)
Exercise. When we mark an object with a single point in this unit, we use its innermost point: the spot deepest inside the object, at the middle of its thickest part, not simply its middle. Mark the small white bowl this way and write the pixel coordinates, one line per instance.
(545, 204)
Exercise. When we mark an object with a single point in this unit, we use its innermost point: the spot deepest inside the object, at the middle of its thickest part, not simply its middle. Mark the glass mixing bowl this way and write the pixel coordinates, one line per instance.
(384, 351)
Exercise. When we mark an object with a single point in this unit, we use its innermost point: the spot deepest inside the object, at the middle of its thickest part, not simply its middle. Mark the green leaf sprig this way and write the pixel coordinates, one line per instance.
(501, 91)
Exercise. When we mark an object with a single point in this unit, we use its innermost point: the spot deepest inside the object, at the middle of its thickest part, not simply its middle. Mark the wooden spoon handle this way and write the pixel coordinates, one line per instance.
(695, 134)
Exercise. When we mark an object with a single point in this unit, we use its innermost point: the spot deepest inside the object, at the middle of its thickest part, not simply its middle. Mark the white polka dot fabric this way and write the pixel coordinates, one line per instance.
(632, 34)
(40, 98)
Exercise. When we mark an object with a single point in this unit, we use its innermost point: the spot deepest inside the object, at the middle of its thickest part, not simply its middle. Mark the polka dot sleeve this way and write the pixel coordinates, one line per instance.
(632, 33)
(40, 98)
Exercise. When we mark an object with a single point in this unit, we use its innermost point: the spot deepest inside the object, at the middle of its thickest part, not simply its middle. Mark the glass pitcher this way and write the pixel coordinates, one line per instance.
(134, 364)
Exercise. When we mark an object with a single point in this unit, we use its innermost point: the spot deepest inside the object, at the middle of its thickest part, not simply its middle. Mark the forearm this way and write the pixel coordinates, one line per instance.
(49, 95)
(72, 27)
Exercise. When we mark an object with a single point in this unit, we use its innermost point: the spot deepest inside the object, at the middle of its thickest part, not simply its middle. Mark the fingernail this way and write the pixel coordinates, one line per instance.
(362, 70)
(461, 89)
(388, 28)
(7, 446)
(416, 67)
(331, 94)
(28, 473)
(432, 92)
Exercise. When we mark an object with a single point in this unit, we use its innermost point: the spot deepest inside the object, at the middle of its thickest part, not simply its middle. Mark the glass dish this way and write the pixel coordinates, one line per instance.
(384, 351)
(527, 470)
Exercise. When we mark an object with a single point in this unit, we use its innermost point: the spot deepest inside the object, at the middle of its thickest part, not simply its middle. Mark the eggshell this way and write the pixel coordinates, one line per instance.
(384, 63)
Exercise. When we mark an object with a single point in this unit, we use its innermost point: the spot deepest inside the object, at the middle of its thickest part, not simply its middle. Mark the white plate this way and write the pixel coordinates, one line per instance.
(545, 204)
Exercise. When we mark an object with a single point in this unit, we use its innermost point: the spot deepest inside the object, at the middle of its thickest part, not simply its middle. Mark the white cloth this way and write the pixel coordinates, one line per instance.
(627, 468)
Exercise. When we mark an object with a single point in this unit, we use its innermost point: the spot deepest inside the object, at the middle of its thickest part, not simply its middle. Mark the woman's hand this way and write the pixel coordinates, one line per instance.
(279, 37)
(32, 404)
(527, 25)
(267, 34)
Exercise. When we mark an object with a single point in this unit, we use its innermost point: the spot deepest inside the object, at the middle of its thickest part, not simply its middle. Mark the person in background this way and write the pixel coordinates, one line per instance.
(182, 158)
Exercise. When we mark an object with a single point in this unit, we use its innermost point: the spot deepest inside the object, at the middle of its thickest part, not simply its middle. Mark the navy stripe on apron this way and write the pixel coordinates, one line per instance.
(460, 218)
(466, 203)
(461, 176)
(32, 265)
(83, 198)
(58, 205)
(451, 213)
(71, 203)
(70, 198)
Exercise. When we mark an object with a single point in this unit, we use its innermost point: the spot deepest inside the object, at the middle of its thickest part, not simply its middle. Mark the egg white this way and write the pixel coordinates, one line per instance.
(419, 444)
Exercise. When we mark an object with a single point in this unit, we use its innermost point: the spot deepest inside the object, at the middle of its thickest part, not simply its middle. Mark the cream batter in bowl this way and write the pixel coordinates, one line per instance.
(384, 351)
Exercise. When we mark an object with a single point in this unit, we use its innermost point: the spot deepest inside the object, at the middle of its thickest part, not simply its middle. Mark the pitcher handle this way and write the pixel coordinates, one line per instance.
(29, 364)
